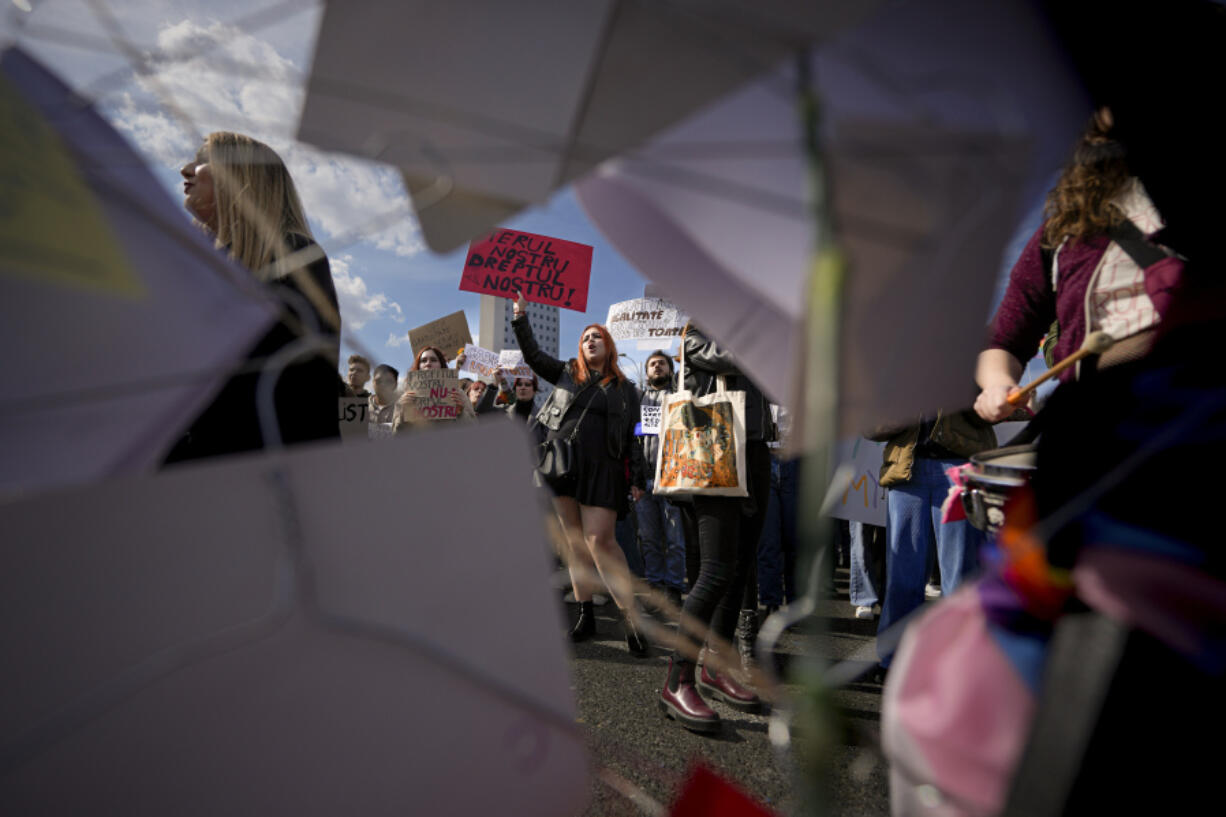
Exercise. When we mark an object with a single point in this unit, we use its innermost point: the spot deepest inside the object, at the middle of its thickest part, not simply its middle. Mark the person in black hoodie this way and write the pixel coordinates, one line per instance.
(728, 533)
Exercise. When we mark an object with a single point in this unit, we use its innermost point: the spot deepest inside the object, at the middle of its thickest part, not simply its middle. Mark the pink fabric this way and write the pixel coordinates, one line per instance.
(955, 714)
(1173, 602)
(952, 509)
(1162, 281)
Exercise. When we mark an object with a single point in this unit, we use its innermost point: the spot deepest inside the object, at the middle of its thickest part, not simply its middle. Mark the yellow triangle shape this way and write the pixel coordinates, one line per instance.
(52, 227)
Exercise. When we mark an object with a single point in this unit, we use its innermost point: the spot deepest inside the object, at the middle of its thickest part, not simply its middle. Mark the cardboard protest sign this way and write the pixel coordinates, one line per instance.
(435, 392)
(450, 334)
(858, 497)
(650, 419)
(511, 361)
(645, 319)
(546, 270)
(351, 415)
(480, 363)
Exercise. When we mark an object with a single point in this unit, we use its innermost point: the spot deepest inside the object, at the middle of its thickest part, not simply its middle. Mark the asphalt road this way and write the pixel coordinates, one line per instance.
(617, 696)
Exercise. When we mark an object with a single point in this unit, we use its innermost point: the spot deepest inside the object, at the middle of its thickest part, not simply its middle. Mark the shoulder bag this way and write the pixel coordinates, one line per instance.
(702, 442)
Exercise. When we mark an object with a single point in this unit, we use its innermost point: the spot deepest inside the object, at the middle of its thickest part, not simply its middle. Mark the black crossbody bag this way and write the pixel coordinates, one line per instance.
(556, 465)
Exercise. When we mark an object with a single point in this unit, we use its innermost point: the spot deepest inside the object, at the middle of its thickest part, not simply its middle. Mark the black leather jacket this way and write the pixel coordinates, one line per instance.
(704, 361)
(623, 401)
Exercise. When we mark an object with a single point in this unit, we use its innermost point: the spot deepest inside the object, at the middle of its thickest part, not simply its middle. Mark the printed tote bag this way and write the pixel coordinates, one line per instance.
(702, 442)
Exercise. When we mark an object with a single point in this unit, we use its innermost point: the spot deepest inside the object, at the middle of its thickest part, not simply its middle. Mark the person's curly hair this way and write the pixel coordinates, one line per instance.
(1081, 204)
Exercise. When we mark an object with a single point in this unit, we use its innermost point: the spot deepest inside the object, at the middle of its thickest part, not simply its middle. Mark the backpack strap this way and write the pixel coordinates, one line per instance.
(1141, 250)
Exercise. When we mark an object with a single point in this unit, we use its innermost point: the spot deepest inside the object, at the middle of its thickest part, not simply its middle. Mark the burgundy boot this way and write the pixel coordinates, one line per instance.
(723, 688)
(681, 701)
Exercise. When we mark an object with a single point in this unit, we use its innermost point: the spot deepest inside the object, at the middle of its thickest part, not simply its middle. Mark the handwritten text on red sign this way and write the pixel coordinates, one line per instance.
(546, 270)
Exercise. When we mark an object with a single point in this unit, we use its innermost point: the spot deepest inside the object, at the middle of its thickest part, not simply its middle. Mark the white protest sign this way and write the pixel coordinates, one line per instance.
(856, 496)
(650, 419)
(645, 319)
(480, 363)
(435, 395)
(512, 362)
(351, 415)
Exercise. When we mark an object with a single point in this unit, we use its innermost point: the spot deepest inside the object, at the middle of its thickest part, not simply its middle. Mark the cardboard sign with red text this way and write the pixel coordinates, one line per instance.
(546, 270)
(437, 395)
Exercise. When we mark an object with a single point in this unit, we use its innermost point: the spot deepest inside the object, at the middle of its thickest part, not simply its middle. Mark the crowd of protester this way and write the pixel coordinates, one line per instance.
(1094, 265)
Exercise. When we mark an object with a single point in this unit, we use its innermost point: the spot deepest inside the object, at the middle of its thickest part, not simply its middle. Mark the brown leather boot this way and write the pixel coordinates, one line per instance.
(723, 688)
(681, 701)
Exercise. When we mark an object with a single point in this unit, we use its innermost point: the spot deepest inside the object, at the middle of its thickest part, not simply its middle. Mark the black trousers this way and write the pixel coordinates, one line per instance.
(728, 533)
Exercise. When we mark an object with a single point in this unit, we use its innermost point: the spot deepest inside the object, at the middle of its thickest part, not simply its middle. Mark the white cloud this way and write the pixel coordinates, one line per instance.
(395, 340)
(359, 306)
(240, 82)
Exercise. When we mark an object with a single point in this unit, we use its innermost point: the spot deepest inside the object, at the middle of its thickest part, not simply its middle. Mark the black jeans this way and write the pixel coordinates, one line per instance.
(728, 533)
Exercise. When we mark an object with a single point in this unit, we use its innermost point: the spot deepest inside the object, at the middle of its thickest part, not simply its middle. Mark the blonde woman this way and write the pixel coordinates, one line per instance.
(239, 190)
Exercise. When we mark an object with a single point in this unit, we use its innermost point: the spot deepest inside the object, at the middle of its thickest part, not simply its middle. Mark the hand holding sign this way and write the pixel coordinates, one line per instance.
(520, 306)
(431, 395)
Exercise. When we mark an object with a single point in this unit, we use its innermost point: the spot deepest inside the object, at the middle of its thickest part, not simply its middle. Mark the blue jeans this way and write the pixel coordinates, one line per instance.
(661, 541)
(627, 540)
(913, 513)
(866, 555)
(777, 548)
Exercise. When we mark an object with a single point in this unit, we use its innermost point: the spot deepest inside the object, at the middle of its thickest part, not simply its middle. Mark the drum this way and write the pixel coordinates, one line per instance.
(994, 475)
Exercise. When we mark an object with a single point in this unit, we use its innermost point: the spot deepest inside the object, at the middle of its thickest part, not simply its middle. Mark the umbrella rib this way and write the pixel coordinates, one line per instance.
(589, 88)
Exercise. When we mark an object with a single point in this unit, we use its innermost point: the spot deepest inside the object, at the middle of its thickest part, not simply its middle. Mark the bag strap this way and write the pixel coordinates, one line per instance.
(1131, 240)
(681, 371)
(570, 438)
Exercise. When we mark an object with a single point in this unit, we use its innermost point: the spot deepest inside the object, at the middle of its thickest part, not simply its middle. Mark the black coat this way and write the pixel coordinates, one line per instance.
(623, 401)
(704, 361)
(305, 396)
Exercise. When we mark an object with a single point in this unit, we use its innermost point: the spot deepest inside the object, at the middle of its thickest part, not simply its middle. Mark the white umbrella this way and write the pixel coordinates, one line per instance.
(941, 121)
(120, 318)
(221, 639)
(489, 106)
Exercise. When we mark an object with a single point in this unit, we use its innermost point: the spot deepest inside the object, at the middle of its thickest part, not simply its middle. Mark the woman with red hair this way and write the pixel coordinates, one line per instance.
(596, 407)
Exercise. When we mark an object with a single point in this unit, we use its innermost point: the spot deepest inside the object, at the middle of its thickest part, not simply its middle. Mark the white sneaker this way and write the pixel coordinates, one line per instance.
(932, 591)
(864, 613)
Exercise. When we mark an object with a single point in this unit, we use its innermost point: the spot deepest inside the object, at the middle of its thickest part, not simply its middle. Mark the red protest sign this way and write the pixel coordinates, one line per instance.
(547, 270)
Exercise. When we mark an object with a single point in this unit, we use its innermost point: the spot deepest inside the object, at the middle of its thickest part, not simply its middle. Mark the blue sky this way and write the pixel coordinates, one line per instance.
(387, 281)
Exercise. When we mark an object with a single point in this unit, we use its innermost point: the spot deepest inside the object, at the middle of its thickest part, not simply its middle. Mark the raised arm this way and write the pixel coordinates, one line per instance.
(545, 365)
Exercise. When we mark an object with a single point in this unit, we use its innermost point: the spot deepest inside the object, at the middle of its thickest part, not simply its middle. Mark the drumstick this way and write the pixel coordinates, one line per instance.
(1095, 344)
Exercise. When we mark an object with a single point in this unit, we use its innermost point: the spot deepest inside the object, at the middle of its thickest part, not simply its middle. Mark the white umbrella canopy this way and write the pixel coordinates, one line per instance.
(224, 638)
(942, 120)
(120, 318)
(488, 106)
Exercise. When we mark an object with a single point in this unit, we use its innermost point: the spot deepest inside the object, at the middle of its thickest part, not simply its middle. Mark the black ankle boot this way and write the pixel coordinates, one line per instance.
(585, 626)
(634, 639)
(747, 636)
